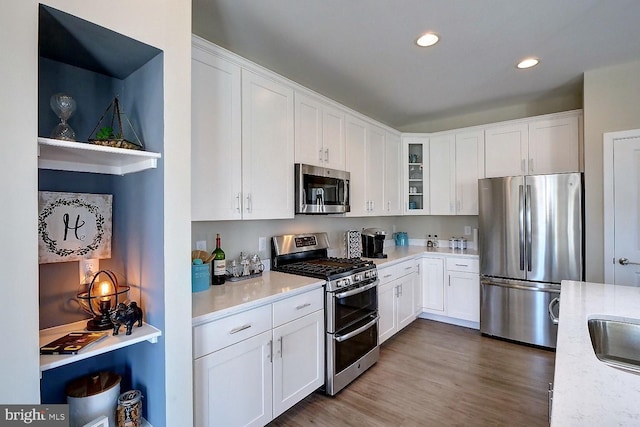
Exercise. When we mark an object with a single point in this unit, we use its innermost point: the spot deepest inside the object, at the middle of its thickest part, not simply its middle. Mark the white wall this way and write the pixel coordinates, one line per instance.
(476, 116)
(611, 103)
(18, 190)
(165, 24)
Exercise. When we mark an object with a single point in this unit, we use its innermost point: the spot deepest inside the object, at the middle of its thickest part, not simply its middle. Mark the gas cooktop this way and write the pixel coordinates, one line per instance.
(327, 268)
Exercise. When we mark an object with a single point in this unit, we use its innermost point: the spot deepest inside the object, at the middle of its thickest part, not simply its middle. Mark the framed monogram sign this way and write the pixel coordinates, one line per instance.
(73, 226)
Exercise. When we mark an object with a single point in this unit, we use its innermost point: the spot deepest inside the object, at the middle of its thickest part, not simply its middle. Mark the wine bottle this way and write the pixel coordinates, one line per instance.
(218, 264)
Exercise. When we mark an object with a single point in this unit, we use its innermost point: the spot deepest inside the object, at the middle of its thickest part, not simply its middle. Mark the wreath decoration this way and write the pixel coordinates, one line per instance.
(52, 245)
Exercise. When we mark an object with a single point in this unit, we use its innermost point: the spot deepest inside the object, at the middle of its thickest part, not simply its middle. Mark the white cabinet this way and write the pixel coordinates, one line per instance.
(242, 142)
(216, 149)
(432, 271)
(463, 291)
(451, 289)
(252, 366)
(365, 162)
(233, 386)
(319, 133)
(392, 175)
(416, 174)
(456, 164)
(396, 298)
(546, 145)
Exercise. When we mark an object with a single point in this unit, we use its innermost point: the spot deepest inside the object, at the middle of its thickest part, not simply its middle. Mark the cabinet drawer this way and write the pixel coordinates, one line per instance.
(406, 267)
(470, 265)
(221, 333)
(295, 307)
(387, 274)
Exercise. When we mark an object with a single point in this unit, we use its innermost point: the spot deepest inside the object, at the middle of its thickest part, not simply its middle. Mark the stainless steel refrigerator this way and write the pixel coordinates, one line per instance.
(530, 239)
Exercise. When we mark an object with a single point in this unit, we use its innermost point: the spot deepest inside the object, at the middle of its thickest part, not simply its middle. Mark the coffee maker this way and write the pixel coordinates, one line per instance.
(373, 243)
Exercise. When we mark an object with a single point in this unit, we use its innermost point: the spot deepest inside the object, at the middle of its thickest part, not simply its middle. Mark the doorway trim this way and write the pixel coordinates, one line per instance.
(609, 139)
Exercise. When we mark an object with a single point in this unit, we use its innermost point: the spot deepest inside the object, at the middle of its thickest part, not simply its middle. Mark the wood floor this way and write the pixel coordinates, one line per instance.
(435, 374)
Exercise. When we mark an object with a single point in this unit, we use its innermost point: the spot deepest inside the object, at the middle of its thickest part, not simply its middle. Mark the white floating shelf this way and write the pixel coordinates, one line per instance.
(85, 157)
(49, 361)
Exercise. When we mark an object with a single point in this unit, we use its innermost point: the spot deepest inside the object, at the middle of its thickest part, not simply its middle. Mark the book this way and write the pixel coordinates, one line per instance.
(72, 343)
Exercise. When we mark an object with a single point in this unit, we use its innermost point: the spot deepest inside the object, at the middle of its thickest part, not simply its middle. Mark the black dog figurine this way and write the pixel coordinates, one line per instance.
(126, 315)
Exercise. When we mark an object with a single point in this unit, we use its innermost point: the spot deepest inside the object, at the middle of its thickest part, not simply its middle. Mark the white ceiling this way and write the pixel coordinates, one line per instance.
(362, 54)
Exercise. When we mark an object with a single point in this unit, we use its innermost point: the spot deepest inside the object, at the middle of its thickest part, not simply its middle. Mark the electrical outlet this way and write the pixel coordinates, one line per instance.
(262, 244)
(88, 267)
(201, 245)
(467, 230)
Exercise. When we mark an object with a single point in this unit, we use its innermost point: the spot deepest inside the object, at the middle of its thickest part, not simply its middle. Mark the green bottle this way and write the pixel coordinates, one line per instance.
(218, 265)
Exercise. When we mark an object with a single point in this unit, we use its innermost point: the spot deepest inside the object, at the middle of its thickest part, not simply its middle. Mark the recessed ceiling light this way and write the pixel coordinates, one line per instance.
(428, 39)
(528, 63)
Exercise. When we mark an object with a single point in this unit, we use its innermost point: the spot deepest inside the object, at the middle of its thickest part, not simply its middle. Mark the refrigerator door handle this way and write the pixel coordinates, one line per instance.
(521, 214)
(528, 227)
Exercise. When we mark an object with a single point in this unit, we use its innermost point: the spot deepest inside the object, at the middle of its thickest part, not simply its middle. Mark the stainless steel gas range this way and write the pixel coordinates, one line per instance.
(351, 303)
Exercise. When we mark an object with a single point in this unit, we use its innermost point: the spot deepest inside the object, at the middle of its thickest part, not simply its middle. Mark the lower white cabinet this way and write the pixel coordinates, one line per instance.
(396, 298)
(253, 380)
(451, 289)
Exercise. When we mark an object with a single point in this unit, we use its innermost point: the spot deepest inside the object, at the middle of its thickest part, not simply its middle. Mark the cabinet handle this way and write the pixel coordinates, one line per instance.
(238, 202)
(462, 265)
(449, 280)
(320, 155)
(270, 351)
(388, 205)
(387, 276)
(249, 202)
(408, 268)
(531, 165)
(239, 328)
(373, 205)
(279, 350)
(326, 155)
(301, 306)
(399, 290)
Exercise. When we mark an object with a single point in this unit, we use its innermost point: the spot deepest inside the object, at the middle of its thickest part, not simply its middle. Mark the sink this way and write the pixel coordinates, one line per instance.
(616, 342)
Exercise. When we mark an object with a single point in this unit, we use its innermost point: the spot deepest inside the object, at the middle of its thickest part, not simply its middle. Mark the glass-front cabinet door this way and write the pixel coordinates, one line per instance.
(416, 174)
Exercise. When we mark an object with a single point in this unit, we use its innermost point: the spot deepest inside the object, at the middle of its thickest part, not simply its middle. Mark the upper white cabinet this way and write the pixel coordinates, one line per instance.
(392, 175)
(216, 134)
(319, 133)
(267, 148)
(546, 145)
(365, 162)
(242, 142)
(416, 174)
(442, 154)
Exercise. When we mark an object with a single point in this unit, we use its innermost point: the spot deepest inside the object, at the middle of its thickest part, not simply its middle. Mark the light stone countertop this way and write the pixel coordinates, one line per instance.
(588, 392)
(233, 297)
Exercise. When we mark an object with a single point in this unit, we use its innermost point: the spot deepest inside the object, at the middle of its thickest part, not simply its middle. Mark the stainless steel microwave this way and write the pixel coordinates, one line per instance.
(321, 190)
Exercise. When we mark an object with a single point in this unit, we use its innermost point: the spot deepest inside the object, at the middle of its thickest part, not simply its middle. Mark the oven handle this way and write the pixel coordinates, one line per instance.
(357, 290)
(352, 334)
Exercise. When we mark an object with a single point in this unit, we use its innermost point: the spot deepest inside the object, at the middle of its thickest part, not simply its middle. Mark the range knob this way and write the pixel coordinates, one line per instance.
(358, 277)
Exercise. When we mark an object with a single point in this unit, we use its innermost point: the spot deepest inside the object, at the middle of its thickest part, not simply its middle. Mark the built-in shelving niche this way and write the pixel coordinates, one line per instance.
(93, 64)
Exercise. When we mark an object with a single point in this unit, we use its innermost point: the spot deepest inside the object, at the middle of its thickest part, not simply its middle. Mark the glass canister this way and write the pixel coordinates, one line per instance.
(129, 410)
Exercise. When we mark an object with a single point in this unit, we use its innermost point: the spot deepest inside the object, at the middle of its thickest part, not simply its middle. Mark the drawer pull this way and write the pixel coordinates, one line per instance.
(462, 265)
(387, 276)
(301, 306)
(239, 329)
(408, 268)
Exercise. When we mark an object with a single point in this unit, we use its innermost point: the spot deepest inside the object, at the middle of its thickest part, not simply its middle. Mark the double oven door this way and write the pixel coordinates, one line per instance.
(352, 334)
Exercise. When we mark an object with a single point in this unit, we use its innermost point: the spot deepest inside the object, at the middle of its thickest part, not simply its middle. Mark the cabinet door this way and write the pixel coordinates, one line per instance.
(553, 146)
(463, 296)
(506, 150)
(392, 175)
(216, 144)
(298, 360)
(388, 323)
(469, 155)
(417, 290)
(433, 284)
(267, 148)
(404, 295)
(233, 386)
(442, 174)
(416, 175)
(333, 138)
(308, 130)
(375, 149)
(356, 133)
